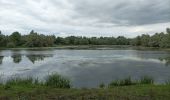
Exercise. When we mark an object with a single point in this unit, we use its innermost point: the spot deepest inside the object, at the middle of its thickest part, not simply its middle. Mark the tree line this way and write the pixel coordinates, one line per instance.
(161, 40)
(34, 39)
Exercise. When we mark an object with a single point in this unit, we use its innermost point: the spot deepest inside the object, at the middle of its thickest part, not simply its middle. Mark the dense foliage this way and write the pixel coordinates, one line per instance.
(157, 40)
(33, 39)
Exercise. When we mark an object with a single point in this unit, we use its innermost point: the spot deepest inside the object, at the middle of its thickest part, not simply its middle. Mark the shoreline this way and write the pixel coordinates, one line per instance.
(89, 47)
(141, 92)
(57, 87)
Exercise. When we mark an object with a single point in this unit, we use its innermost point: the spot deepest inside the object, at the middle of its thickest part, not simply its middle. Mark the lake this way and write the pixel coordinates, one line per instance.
(86, 68)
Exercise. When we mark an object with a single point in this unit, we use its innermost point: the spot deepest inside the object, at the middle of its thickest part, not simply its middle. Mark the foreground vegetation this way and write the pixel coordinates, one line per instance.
(134, 92)
(34, 39)
(56, 87)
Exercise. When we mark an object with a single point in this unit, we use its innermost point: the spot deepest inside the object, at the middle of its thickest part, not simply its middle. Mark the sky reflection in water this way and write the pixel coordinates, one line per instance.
(86, 68)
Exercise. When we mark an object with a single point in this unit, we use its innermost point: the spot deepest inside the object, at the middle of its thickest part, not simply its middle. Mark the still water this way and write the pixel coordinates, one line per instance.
(86, 68)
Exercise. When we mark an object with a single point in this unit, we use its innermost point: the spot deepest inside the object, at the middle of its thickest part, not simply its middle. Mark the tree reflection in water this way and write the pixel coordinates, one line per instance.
(16, 58)
(166, 60)
(1, 59)
(34, 58)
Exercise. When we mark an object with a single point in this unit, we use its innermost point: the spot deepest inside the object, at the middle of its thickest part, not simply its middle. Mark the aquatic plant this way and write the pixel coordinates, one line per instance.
(57, 81)
(102, 85)
(53, 80)
(167, 82)
(123, 82)
(146, 80)
(20, 81)
(128, 81)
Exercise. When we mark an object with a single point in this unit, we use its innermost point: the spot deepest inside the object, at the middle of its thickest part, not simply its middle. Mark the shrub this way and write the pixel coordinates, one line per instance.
(146, 80)
(102, 85)
(167, 82)
(126, 81)
(123, 82)
(11, 45)
(57, 81)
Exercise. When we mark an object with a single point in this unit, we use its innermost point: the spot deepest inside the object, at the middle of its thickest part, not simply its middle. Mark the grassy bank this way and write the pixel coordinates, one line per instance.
(56, 87)
(134, 92)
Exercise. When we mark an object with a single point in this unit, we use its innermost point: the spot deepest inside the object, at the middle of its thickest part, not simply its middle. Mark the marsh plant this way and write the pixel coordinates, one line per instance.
(53, 80)
(123, 82)
(102, 85)
(22, 81)
(167, 82)
(146, 80)
(128, 81)
(58, 81)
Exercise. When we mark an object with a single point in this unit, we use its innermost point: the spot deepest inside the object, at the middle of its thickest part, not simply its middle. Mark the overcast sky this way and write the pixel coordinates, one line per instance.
(85, 17)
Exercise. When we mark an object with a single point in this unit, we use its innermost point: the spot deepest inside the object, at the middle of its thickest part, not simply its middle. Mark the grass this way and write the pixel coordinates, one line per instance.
(167, 82)
(146, 80)
(20, 81)
(133, 92)
(57, 81)
(123, 82)
(128, 81)
(102, 85)
(57, 87)
(54, 80)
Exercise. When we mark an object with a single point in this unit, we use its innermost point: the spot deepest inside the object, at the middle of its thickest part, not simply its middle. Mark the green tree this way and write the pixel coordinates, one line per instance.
(3, 40)
(168, 30)
(145, 38)
(15, 37)
(136, 41)
(155, 40)
(165, 41)
(121, 40)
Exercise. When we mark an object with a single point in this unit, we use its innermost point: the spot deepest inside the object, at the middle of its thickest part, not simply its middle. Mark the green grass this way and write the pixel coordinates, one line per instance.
(167, 82)
(146, 80)
(54, 80)
(57, 81)
(133, 92)
(123, 82)
(128, 81)
(57, 87)
(20, 81)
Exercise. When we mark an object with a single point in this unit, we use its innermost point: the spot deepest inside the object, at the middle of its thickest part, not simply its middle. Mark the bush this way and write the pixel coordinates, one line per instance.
(102, 85)
(53, 80)
(167, 82)
(57, 81)
(11, 45)
(123, 82)
(146, 80)
(128, 81)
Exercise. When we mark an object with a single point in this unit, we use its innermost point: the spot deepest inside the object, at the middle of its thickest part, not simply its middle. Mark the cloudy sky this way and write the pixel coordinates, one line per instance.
(85, 17)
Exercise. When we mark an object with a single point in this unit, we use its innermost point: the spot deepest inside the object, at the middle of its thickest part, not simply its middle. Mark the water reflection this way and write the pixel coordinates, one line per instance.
(1, 59)
(34, 58)
(78, 65)
(166, 60)
(16, 58)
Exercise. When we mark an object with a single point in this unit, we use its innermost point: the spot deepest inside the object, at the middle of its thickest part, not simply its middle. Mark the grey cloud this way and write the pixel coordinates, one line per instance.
(86, 17)
(125, 12)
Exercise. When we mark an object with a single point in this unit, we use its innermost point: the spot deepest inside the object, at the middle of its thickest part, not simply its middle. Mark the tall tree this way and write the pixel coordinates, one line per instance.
(15, 37)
